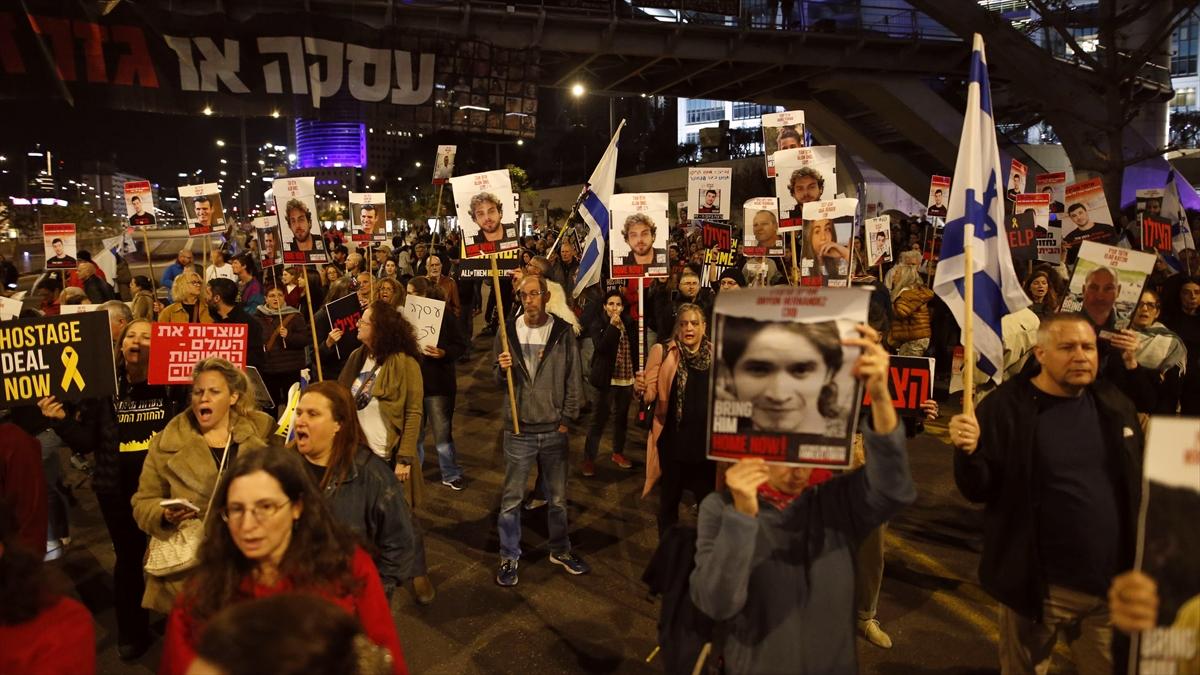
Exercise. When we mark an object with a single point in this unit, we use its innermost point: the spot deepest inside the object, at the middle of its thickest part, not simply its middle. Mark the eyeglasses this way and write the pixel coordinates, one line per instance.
(1149, 305)
(530, 294)
(195, 283)
(262, 512)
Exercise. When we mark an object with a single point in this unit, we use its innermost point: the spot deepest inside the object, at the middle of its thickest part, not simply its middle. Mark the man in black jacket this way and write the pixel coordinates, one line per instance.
(1056, 458)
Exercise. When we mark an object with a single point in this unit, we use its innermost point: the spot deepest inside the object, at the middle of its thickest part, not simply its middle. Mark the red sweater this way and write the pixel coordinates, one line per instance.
(370, 605)
(23, 485)
(59, 641)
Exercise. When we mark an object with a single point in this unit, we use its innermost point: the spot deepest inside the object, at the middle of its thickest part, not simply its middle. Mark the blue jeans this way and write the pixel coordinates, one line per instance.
(521, 454)
(439, 413)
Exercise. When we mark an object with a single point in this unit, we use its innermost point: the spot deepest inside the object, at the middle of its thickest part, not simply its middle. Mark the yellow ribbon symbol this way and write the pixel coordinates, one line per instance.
(70, 359)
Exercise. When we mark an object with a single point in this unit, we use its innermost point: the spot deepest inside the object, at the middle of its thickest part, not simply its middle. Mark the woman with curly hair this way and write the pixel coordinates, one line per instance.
(390, 291)
(275, 534)
(384, 377)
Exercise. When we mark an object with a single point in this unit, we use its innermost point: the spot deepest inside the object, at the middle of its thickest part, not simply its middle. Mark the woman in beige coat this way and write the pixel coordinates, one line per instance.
(384, 378)
(183, 459)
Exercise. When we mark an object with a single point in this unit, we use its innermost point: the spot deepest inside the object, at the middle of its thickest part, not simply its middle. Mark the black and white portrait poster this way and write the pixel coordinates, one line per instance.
(266, 231)
(803, 175)
(825, 253)
(1017, 172)
(760, 232)
(637, 235)
(139, 203)
(782, 387)
(1168, 549)
(58, 240)
(484, 205)
(443, 163)
(709, 193)
(1107, 284)
(202, 209)
(296, 207)
(781, 131)
(879, 240)
(368, 217)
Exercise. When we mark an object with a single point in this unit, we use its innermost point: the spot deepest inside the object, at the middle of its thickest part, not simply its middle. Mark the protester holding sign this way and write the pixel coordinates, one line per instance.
(772, 532)
(118, 431)
(1159, 350)
(285, 335)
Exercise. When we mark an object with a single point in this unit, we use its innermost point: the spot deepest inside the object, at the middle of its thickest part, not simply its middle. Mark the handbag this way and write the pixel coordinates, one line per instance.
(179, 552)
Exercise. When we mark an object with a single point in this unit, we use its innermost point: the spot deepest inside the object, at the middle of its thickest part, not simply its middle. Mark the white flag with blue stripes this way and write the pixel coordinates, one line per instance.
(976, 217)
(593, 208)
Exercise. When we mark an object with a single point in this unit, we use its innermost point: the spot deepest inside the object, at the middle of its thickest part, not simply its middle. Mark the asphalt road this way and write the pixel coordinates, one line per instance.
(931, 604)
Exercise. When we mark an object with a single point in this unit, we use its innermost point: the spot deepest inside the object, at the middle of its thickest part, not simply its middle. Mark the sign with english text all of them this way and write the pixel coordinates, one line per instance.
(63, 357)
(425, 314)
(175, 348)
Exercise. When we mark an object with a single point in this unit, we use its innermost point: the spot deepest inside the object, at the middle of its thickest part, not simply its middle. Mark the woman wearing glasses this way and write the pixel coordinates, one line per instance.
(184, 458)
(275, 534)
(384, 377)
(1160, 350)
(188, 305)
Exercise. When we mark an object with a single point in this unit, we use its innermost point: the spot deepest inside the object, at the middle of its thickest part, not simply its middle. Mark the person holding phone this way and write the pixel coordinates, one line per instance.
(183, 459)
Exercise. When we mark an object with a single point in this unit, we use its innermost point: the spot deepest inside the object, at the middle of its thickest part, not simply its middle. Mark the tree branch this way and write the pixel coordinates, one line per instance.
(1141, 56)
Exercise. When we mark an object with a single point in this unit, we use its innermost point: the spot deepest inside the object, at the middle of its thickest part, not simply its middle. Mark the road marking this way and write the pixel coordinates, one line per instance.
(952, 603)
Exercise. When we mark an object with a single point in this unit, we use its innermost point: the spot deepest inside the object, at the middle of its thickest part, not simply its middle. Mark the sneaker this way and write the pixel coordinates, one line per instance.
(507, 574)
(534, 503)
(423, 590)
(620, 461)
(874, 634)
(589, 468)
(457, 484)
(571, 562)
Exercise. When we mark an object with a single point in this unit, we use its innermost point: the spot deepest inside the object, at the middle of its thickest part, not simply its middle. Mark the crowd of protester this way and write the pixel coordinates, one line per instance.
(335, 511)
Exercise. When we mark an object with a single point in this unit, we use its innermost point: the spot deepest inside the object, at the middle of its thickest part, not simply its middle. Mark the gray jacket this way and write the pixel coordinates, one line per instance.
(552, 397)
(784, 580)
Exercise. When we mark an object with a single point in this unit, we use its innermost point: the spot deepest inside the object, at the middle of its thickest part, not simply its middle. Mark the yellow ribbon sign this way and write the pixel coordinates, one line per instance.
(70, 359)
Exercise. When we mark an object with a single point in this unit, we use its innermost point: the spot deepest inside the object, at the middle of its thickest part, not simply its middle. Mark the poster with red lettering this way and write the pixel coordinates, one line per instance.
(782, 387)
(343, 315)
(175, 348)
(910, 380)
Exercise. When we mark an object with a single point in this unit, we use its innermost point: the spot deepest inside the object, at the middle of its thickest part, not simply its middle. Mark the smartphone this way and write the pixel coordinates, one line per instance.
(182, 503)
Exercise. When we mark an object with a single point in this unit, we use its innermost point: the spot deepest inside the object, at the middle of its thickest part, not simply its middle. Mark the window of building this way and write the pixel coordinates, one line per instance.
(693, 138)
(1183, 47)
(700, 110)
(746, 111)
(1185, 100)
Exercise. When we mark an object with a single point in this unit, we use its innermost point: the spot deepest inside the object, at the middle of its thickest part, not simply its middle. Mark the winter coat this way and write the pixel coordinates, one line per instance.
(175, 313)
(661, 365)
(551, 397)
(400, 392)
(180, 466)
(911, 318)
(143, 305)
(439, 375)
(607, 339)
(283, 355)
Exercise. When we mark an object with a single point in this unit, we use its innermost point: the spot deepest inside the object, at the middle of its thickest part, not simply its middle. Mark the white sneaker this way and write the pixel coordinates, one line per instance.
(874, 634)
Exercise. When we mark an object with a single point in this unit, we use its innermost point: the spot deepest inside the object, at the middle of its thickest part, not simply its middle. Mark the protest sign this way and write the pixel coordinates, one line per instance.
(1150, 201)
(443, 164)
(1022, 231)
(481, 268)
(637, 236)
(760, 232)
(879, 240)
(1016, 179)
(1053, 184)
(762, 334)
(825, 253)
(266, 231)
(939, 196)
(202, 208)
(1035, 208)
(781, 131)
(59, 242)
(1169, 546)
(343, 314)
(681, 213)
(486, 215)
(295, 207)
(10, 308)
(910, 381)
(368, 217)
(802, 175)
(1156, 234)
(139, 203)
(1107, 284)
(719, 247)
(67, 357)
(1087, 218)
(425, 315)
(709, 193)
(175, 348)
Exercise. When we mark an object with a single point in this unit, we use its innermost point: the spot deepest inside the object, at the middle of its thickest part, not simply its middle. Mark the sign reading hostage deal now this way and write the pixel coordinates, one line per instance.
(67, 357)
(176, 347)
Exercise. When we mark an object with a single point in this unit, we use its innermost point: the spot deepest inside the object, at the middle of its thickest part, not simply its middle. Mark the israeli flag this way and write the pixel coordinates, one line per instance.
(593, 208)
(975, 218)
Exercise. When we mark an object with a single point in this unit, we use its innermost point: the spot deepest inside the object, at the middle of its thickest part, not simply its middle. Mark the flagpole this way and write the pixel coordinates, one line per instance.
(512, 395)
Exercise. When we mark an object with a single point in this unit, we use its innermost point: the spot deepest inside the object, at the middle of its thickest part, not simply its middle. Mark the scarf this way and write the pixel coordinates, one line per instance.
(782, 500)
(700, 360)
(623, 366)
(1160, 349)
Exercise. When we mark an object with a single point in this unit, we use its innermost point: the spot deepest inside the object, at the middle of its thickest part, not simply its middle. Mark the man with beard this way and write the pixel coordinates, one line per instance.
(299, 220)
(806, 185)
(639, 233)
(487, 211)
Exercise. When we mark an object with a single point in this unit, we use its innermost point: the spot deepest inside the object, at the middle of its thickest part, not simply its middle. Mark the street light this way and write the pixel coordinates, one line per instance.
(275, 114)
(207, 110)
(220, 143)
(577, 90)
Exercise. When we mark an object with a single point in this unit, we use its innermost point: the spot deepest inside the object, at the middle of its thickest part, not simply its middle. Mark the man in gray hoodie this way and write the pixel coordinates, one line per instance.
(548, 384)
